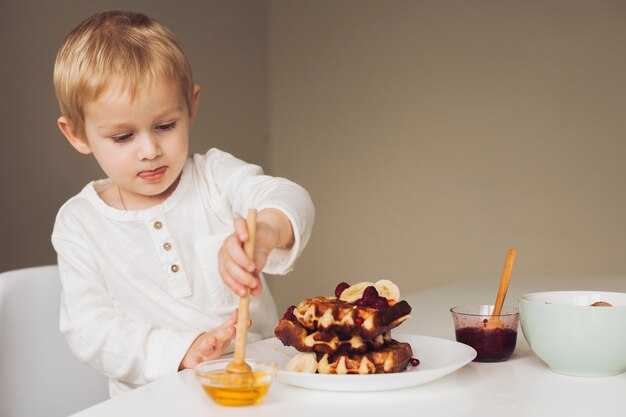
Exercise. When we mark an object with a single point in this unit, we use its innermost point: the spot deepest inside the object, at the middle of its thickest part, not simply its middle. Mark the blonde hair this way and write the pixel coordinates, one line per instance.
(116, 46)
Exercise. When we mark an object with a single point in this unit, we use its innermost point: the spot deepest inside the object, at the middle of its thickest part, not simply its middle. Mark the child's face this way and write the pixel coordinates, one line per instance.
(140, 144)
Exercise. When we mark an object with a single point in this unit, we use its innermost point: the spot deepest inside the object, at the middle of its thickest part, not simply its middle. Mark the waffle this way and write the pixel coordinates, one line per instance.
(347, 319)
(292, 333)
(349, 336)
(392, 357)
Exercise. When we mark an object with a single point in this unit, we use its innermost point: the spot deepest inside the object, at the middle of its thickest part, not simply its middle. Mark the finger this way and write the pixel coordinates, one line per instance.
(233, 317)
(222, 333)
(234, 286)
(256, 291)
(236, 253)
(224, 257)
(225, 342)
(241, 229)
(224, 337)
(232, 332)
(228, 335)
(241, 276)
(260, 259)
(208, 345)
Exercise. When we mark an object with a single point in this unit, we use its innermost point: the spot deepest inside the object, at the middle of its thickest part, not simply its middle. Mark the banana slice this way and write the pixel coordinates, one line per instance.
(303, 362)
(354, 292)
(388, 289)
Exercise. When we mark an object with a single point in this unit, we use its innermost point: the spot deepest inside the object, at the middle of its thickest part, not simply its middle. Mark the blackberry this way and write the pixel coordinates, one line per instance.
(341, 288)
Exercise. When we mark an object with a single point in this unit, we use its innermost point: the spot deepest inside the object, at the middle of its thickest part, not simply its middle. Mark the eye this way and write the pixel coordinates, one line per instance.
(122, 138)
(166, 126)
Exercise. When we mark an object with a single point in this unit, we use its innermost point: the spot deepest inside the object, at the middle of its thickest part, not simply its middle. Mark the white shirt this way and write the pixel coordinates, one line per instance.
(140, 286)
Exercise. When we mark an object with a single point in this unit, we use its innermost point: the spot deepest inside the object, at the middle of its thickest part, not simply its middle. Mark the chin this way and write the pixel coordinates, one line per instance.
(166, 188)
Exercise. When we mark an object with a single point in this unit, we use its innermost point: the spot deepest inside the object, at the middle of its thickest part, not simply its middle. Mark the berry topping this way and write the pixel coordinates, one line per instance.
(370, 294)
(361, 303)
(371, 298)
(414, 361)
(380, 303)
(341, 288)
(289, 314)
(358, 321)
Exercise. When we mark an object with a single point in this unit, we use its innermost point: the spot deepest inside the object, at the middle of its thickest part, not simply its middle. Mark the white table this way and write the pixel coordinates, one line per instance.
(521, 386)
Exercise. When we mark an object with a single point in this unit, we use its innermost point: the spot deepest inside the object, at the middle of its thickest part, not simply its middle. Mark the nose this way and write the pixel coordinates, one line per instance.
(148, 147)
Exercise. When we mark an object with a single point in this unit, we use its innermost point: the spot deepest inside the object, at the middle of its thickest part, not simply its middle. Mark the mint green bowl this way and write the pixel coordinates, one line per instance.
(572, 337)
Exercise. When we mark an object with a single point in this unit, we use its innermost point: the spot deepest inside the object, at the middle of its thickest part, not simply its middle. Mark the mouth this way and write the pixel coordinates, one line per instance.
(154, 175)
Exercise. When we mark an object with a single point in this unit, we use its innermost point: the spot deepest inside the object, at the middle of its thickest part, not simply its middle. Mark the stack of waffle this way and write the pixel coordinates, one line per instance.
(336, 336)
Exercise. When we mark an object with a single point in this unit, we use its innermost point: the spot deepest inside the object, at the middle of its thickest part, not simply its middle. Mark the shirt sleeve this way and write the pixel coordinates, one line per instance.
(113, 345)
(241, 186)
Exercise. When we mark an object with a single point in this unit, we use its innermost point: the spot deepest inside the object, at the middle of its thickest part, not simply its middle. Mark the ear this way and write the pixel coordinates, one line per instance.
(78, 142)
(194, 103)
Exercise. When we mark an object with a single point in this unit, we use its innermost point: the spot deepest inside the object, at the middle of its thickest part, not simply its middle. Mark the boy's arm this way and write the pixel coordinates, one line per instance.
(241, 186)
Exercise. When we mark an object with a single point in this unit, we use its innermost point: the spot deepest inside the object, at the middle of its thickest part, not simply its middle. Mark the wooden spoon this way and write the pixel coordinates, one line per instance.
(494, 321)
(239, 365)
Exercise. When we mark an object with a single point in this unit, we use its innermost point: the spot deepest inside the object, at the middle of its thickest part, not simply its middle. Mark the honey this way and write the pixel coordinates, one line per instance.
(230, 389)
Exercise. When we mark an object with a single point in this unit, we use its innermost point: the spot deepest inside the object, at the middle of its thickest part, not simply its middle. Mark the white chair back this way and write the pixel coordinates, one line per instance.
(39, 375)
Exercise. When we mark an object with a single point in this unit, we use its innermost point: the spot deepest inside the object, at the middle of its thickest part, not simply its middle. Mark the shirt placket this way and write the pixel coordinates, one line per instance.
(170, 260)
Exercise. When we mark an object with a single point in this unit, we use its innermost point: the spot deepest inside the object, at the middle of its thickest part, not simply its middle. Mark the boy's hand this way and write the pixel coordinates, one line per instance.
(239, 272)
(210, 345)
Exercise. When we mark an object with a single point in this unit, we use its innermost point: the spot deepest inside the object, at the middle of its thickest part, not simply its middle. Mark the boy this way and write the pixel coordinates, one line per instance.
(151, 258)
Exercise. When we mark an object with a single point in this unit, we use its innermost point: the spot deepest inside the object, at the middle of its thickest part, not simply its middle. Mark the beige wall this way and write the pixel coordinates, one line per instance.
(432, 135)
(435, 135)
(225, 41)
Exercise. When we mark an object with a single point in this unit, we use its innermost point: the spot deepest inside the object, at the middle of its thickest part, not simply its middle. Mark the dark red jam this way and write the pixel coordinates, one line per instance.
(492, 345)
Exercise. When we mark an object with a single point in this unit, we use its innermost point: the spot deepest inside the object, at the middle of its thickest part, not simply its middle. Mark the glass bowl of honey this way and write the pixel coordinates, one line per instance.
(234, 389)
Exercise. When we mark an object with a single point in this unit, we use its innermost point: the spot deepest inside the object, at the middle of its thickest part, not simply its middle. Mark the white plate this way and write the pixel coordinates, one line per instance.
(438, 357)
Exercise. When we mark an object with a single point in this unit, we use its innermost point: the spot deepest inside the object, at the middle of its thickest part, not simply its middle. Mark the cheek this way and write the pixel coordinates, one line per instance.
(179, 146)
(112, 161)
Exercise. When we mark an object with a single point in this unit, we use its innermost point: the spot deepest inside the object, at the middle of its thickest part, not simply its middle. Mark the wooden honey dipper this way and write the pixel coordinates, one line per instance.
(239, 365)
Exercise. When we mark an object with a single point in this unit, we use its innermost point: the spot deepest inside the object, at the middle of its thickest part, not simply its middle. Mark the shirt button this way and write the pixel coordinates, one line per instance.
(157, 225)
(175, 268)
(167, 246)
